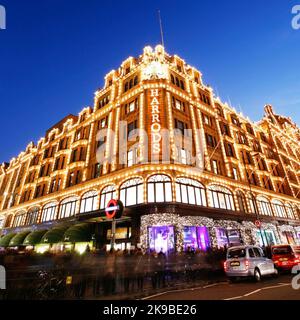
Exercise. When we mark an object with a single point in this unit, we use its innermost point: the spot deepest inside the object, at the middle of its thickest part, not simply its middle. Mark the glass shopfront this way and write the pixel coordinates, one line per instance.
(289, 236)
(161, 238)
(266, 238)
(196, 238)
(228, 237)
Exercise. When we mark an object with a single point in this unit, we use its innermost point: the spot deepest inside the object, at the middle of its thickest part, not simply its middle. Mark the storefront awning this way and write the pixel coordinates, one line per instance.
(34, 237)
(4, 241)
(79, 233)
(54, 235)
(18, 239)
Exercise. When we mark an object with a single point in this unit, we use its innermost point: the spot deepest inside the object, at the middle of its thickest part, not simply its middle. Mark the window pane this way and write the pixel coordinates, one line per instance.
(178, 195)
(228, 204)
(140, 198)
(122, 197)
(203, 197)
(102, 200)
(131, 196)
(150, 192)
(191, 195)
(198, 196)
(184, 194)
(160, 197)
(222, 201)
(168, 187)
(215, 200)
(89, 205)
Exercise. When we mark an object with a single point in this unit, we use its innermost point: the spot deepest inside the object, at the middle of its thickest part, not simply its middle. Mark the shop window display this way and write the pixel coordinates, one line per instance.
(161, 239)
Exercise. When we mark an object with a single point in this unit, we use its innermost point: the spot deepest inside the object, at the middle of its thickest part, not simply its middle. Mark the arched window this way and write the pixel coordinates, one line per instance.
(265, 206)
(106, 195)
(159, 189)
(132, 192)
(190, 191)
(279, 209)
(20, 219)
(220, 197)
(8, 221)
(88, 202)
(68, 207)
(49, 212)
(32, 216)
(241, 201)
(289, 211)
(252, 203)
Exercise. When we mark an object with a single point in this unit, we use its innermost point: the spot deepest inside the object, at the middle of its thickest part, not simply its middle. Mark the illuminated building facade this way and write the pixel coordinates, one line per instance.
(250, 170)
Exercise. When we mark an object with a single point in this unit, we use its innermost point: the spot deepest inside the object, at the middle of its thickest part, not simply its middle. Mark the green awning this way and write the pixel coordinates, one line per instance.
(34, 237)
(18, 239)
(54, 235)
(79, 233)
(4, 241)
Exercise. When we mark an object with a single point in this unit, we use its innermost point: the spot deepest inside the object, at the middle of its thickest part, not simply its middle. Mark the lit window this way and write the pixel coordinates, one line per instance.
(184, 156)
(159, 189)
(130, 158)
(131, 106)
(221, 197)
(88, 202)
(19, 219)
(235, 174)
(132, 192)
(290, 211)
(215, 167)
(49, 212)
(68, 208)
(190, 191)
(265, 206)
(241, 201)
(279, 209)
(107, 194)
(32, 216)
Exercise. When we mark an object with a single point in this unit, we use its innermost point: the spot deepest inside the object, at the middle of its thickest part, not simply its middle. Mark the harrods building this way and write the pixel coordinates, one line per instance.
(53, 195)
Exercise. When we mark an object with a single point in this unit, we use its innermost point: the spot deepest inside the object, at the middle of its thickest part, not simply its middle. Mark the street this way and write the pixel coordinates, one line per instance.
(269, 289)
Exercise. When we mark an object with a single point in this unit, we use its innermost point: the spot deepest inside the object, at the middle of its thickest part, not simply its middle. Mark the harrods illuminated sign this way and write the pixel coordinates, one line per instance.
(155, 121)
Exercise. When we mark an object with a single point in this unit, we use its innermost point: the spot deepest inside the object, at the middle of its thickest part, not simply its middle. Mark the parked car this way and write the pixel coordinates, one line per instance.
(285, 257)
(248, 261)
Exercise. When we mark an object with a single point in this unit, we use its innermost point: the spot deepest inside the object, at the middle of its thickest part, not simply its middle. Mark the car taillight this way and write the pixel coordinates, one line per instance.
(247, 264)
(225, 266)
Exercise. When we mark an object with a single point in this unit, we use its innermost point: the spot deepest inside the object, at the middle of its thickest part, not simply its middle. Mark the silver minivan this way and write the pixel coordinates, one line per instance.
(248, 261)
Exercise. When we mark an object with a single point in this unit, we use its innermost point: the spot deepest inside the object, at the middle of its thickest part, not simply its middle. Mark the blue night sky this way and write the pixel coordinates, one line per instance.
(55, 53)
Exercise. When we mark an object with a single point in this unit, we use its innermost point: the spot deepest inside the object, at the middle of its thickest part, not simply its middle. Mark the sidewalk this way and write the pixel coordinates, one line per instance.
(149, 291)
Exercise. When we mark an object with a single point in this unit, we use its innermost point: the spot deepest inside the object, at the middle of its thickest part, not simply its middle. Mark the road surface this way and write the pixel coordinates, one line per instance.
(269, 289)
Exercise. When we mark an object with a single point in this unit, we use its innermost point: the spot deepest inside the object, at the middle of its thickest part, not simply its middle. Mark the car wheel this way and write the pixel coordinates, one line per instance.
(257, 275)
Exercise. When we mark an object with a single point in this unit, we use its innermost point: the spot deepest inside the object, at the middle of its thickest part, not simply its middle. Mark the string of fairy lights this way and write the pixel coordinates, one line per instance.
(114, 82)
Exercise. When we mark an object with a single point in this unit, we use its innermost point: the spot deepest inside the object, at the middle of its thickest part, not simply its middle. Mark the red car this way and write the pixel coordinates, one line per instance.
(285, 257)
